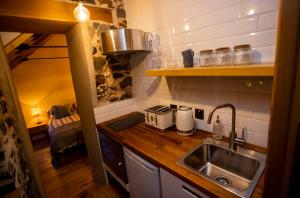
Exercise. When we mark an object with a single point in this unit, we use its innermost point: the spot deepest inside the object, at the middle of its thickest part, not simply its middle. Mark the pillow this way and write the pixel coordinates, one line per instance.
(73, 108)
(60, 111)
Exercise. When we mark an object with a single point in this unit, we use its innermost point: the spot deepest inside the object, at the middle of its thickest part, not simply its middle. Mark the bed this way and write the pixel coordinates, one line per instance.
(65, 133)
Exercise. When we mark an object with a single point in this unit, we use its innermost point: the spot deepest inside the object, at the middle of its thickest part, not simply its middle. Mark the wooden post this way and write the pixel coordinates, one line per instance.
(283, 142)
(82, 69)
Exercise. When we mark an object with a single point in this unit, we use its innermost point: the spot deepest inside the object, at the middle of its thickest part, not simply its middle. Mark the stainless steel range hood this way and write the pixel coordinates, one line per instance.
(123, 41)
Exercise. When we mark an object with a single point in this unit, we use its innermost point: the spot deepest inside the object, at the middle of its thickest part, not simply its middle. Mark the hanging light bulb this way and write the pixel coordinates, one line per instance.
(81, 13)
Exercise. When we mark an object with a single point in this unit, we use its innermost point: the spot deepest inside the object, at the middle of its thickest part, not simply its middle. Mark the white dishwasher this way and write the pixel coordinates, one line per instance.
(143, 177)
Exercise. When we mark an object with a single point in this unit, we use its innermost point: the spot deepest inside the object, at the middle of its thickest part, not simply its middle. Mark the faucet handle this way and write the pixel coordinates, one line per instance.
(241, 141)
(243, 133)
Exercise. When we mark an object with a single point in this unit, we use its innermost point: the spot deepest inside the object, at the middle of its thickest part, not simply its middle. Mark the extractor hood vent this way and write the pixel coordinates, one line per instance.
(123, 41)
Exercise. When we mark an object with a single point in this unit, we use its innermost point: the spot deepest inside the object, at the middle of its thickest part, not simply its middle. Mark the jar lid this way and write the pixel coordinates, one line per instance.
(242, 47)
(208, 51)
(222, 49)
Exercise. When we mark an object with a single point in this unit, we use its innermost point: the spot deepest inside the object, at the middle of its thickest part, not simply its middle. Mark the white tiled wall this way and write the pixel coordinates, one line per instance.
(250, 96)
(113, 110)
(204, 24)
(209, 24)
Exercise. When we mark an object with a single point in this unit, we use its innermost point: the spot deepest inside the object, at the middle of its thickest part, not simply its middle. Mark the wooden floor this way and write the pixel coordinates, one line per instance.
(72, 180)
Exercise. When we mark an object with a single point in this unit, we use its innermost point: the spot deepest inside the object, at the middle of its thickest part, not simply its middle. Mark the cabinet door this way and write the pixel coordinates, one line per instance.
(112, 155)
(143, 176)
(173, 187)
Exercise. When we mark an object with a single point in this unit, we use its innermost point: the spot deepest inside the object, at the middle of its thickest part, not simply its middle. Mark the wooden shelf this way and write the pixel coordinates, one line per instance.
(260, 70)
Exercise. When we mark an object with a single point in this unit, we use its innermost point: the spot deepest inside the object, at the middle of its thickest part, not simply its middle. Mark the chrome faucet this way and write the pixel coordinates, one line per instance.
(234, 140)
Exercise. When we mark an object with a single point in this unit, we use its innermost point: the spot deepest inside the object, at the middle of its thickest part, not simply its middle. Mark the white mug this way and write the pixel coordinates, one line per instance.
(184, 119)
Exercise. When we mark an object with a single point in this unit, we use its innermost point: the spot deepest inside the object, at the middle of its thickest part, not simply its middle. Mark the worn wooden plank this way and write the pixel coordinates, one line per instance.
(262, 70)
(73, 180)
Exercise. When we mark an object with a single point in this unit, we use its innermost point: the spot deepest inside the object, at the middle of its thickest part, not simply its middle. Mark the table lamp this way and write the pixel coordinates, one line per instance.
(36, 112)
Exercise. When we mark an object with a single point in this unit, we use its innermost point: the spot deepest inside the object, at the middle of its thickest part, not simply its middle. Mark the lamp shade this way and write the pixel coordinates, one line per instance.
(36, 112)
(81, 13)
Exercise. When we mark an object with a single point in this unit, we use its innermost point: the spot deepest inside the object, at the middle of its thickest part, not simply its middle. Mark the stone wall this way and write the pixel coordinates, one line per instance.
(13, 163)
(117, 6)
(113, 78)
(112, 73)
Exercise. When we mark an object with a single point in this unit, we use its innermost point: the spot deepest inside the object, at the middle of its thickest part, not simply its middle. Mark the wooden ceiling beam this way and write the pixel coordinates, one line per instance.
(46, 16)
(15, 56)
(12, 45)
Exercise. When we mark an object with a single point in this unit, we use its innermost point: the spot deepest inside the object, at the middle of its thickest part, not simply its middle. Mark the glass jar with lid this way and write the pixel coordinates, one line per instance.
(223, 56)
(206, 57)
(242, 54)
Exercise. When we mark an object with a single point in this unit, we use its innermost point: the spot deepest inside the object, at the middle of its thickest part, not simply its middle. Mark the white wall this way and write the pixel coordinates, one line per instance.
(8, 36)
(114, 110)
(203, 24)
(139, 15)
(209, 24)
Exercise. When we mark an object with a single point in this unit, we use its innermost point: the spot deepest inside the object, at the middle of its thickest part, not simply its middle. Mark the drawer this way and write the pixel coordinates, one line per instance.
(174, 187)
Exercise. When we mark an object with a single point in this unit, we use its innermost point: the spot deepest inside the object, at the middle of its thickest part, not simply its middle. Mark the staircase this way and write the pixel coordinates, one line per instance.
(20, 48)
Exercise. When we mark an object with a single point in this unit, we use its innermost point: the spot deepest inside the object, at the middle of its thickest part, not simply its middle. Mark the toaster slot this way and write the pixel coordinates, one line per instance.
(156, 108)
(159, 109)
(166, 109)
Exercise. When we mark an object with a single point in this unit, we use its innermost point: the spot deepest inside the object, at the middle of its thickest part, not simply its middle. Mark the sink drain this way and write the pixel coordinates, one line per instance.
(223, 180)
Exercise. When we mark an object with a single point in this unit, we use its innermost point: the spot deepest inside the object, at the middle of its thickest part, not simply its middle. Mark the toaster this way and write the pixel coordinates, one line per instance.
(160, 117)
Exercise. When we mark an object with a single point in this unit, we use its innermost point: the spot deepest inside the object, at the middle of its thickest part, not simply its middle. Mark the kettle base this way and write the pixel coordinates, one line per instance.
(186, 133)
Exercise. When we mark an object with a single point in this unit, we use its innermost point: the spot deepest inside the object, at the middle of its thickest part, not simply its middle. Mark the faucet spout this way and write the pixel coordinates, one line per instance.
(232, 144)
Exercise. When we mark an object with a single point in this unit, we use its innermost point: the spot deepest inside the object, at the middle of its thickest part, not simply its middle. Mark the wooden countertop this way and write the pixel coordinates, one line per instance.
(164, 149)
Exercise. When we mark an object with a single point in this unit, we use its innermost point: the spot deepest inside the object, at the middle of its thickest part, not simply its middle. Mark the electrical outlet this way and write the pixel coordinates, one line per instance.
(199, 114)
(173, 106)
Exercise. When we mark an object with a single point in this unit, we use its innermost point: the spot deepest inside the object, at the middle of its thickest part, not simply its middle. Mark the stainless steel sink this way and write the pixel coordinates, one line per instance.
(237, 171)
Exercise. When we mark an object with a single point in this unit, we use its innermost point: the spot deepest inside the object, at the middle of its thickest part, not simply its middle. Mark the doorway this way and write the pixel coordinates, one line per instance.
(81, 49)
(40, 70)
(57, 18)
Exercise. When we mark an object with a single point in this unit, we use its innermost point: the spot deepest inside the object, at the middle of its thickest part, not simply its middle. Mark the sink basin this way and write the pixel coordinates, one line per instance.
(237, 171)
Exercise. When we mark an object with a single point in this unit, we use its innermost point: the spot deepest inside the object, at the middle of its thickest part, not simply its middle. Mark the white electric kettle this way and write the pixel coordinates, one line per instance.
(185, 121)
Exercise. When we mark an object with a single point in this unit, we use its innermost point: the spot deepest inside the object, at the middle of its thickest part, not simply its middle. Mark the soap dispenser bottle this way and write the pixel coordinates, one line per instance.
(218, 129)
